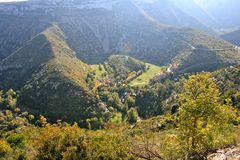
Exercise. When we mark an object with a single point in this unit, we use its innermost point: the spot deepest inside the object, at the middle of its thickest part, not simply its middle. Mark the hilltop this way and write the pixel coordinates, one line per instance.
(51, 80)
(121, 66)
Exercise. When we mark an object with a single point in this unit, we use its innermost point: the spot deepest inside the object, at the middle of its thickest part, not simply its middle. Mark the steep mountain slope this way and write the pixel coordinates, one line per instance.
(53, 78)
(166, 12)
(15, 31)
(196, 10)
(19, 67)
(232, 37)
(97, 29)
(128, 31)
(226, 12)
(206, 53)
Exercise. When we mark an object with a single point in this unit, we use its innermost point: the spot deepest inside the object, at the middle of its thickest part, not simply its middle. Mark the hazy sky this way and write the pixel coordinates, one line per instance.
(10, 0)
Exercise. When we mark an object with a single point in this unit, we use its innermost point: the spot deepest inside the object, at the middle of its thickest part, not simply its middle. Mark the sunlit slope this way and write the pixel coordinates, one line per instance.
(55, 86)
(125, 28)
(99, 69)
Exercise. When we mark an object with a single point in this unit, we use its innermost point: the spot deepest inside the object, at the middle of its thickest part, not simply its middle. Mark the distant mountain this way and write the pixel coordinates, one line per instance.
(168, 12)
(232, 37)
(97, 29)
(221, 14)
(225, 12)
(208, 53)
(110, 22)
(197, 10)
(51, 80)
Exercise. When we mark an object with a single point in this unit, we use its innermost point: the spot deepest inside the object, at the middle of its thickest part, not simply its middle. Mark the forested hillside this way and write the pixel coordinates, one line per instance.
(174, 134)
(45, 71)
(119, 80)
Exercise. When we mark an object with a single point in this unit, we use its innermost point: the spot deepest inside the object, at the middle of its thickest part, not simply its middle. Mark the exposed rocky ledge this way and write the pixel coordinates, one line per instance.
(226, 154)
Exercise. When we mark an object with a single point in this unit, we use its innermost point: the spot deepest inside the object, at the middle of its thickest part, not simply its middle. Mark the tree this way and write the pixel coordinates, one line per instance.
(42, 120)
(132, 115)
(109, 144)
(11, 98)
(147, 102)
(16, 140)
(100, 67)
(130, 101)
(1, 97)
(4, 147)
(67, 142)
(204, 122)
(114, 101)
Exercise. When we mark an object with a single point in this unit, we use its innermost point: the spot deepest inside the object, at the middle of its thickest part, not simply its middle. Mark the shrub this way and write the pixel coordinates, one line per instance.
(16, 140)
(4, 147)
(109, 144)
(132, 115)
(61, 143)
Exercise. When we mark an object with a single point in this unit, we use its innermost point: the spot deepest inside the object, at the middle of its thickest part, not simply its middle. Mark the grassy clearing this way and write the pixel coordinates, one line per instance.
(96, 68)
(146, 76)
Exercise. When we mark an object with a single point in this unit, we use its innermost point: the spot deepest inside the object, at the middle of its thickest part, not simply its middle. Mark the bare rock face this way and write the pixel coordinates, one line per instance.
(226, 154)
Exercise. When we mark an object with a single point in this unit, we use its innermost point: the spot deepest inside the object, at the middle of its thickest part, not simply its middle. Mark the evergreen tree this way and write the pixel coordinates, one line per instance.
(132, 115)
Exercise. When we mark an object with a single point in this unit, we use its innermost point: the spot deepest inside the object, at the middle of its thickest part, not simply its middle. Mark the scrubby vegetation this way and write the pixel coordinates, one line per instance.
(51, 80)
(145, 97)
(201, 119)
(47, 73)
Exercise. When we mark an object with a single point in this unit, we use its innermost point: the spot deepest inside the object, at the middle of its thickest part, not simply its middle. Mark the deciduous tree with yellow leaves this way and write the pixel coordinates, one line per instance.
(204, 122)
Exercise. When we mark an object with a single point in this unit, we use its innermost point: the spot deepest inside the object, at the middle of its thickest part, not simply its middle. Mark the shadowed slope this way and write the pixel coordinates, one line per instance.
(232, 37)
(54, 78)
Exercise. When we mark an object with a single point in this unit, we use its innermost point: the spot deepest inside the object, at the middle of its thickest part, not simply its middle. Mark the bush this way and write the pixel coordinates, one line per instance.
(4, 147)
(16, 140)
(132, 115)
(61, 143)
(109, 144)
